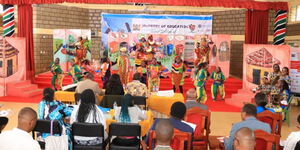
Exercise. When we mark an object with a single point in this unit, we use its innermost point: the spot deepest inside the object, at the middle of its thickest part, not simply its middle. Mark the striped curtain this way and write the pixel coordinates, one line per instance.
(280, 27)
(8, 20)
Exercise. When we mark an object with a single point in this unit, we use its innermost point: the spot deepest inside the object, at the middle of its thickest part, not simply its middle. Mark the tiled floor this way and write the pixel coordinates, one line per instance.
(221, 122)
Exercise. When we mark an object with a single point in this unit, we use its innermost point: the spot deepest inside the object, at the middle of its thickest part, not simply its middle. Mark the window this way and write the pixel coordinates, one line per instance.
(295, 13)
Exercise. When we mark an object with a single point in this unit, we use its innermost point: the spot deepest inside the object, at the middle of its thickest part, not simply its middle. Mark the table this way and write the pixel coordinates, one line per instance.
(163, 104)
(159, 104)
(145, 124)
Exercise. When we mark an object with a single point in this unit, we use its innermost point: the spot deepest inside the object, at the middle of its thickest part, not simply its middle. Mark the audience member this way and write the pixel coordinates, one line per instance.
(261, 101)
(128, 113)
(178, 111)
(114, 86)
(19, 138)
(191, 100)
(285, 75)
(105, 70)
(248, 115)
(284, 92)
(88, 83)
(264, 87)
(3, 123)
(244, 139)
(293, 139)
(88, 112)
(164, 134)
(136, 88)
(50, 109)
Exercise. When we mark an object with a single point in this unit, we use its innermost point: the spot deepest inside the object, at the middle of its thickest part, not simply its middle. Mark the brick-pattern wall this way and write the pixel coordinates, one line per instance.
(54, 17)
(293, 29)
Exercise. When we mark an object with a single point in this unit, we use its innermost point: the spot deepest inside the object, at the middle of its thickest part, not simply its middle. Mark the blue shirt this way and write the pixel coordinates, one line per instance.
(177, 124)
(250, 122)
(260, 109)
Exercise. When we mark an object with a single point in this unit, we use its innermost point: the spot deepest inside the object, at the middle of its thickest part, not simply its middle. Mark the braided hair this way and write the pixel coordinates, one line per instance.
(87, 105)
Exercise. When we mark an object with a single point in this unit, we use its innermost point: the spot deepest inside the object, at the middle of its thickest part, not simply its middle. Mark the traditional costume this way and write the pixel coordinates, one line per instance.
(178, 76)
(218, 85)
(57, 75)
(274, 77)
(139, 58)
(105, 73)
(143, 71)
(153, 77)
(80, 51)
(76, 73)
(202, 52)
(123, 65)
(200, 81)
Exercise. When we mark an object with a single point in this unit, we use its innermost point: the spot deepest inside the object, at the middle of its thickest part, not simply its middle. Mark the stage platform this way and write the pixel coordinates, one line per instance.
(232, 86)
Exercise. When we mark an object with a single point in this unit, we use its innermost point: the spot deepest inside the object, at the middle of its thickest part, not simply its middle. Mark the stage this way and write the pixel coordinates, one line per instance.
(232, 86)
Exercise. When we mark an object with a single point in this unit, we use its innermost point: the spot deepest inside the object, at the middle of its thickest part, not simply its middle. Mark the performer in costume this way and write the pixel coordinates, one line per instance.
(80, 50)
(105, 71)
(275, 75)
(153, 76)
(123, 65)
(75, 72)
(202, 52)
(143, 71)
(200, 80)
(57, 74)
(139, 55)
(218, 84)
(178, 74)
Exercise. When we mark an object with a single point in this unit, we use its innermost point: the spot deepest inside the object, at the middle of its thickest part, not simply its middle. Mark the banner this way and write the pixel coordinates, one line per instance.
(295, 70)
(71, 44)
(12, 61)
(259, 60)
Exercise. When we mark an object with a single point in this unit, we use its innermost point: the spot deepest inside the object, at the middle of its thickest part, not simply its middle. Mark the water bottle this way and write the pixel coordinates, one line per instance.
(115, 105)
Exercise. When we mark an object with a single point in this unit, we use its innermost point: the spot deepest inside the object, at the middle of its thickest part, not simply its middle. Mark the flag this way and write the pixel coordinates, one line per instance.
(280, 27)
(8, 20)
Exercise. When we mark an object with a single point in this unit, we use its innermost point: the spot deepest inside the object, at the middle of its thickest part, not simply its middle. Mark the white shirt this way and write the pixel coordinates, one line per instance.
(291, 141)
(17, 139)
(135, 114)
(100, 118)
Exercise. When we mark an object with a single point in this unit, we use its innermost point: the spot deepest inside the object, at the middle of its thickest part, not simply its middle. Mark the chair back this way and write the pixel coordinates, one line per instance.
(265, 140)
(108, 101)
(140, 100)
(273, 119)
(124, 129)
(202, 119)
(77, 97)
(87, 129)
(178, 141)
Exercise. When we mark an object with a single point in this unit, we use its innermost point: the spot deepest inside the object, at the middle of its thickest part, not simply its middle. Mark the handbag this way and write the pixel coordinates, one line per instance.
(56, 142)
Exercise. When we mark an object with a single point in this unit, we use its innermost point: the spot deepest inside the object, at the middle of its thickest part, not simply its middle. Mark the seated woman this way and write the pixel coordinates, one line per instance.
(88, 112)
(284, 92)
(265, 87)
(50, 109)
(114, 86)
(261, 100)
(128, 113)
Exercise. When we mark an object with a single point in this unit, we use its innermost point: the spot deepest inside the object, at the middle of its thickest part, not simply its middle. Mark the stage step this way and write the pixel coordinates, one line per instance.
(23, 89)
(240, 98)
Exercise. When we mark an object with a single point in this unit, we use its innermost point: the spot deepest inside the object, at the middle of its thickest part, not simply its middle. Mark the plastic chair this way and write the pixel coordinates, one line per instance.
(285, 111)
(202, 119)
(265, 140)
(125, 130)
(178, 141)
(273, 119)
(43, 126)
(140, 100)
(88, 130)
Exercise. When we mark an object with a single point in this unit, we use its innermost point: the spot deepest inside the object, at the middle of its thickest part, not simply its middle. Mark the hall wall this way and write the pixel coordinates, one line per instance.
(49, 17)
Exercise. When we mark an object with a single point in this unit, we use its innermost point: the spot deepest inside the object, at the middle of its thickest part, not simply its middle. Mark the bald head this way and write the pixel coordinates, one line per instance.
(244, 139)
(191, 94)
(27, 119)
(164, 132)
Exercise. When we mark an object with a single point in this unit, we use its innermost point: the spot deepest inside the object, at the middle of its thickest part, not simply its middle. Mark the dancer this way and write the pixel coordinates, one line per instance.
(218, 84)
(275, 75)
(178, 74)
(200, 79)
(105, 71)
(75, 72)
(123, 65)
(143, 71)
(80, 50)
(57, 74)
(139, 55)
(202, 52)
(153, 76)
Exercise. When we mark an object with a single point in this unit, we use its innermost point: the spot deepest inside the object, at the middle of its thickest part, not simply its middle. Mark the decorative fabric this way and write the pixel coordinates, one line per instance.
(280, 27)
(8, 20)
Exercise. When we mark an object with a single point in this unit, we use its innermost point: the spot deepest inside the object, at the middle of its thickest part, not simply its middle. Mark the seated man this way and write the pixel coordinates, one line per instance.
(261, 101)
(191, 100)
(248, 115)
(136, 88)
(293, 139)
(18, 138)
(244, 139)
(164, 134)
(89, 83)
(178, 111)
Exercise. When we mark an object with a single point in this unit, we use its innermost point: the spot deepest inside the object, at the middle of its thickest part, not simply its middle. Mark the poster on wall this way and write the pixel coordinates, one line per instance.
(12, 61)
(71, 44)
(165, 36)
(295, 70)
(259, 60)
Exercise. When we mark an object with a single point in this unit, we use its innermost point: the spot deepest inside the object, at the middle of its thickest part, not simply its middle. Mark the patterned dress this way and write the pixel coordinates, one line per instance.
(200, 81)
(274, 77)
(153, 77)
(76, 74)
(57, 75)
(123, 64)
(177, 74)
(218, 85)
